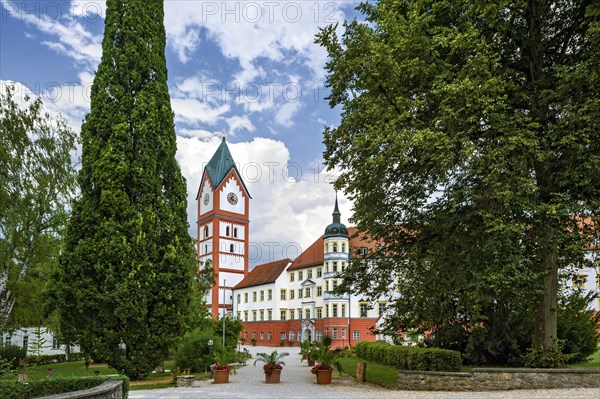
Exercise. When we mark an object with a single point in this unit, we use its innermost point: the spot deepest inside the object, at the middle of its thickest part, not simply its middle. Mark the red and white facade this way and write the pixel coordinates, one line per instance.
(290, 300)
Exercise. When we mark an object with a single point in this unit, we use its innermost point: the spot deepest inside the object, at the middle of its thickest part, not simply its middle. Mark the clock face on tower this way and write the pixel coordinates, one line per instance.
(232, 198)
(206, 199)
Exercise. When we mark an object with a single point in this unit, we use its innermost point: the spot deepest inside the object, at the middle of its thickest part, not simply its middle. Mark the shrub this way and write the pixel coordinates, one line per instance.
(194, 354)
(14, 354)
(37, 388)
(578, 326)
(409, 357)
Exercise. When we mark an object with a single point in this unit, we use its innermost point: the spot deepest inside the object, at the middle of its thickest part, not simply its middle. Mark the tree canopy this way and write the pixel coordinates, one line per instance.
(124, 285)
(480, 121)
(37, 180)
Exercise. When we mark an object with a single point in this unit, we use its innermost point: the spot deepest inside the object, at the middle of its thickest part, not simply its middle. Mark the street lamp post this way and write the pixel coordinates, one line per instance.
(210, 345)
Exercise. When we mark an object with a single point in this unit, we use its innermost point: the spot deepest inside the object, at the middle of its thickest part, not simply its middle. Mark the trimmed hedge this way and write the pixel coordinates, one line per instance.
(409, 357)
(49, 359)
(52, 386)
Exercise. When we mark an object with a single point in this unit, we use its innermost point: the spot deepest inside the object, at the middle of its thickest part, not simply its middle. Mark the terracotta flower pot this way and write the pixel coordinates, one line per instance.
(273, 377)
(323, 376)
(221, 376)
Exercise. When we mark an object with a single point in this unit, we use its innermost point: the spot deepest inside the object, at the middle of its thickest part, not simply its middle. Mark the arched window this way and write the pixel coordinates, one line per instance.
(205, 248)
(343, 247)
(319, 336)
(205, 231)
(327, 247)
(231, 248)
(334, 247)
(235, 232)
(227, 231)
(292, 336)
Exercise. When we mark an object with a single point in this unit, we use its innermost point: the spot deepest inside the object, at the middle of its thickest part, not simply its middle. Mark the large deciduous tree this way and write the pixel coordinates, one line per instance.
(125, 277)
(479, 120)
(36, 182)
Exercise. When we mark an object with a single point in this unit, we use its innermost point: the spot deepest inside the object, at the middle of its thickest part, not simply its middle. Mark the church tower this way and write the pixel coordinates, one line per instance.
(223, 222)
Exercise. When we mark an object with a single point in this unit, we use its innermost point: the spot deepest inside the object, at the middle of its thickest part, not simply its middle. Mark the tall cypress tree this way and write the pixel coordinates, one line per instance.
(123, 288)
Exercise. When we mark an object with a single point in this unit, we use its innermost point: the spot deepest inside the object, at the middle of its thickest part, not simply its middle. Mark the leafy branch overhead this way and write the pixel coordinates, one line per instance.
(37, 181)
(480, 120)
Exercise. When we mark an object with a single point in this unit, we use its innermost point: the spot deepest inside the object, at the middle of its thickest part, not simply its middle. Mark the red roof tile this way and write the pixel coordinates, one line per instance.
(263, 274)
(313, 255)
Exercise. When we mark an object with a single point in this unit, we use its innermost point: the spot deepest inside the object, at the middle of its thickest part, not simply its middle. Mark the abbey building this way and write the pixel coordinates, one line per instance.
(285, 300)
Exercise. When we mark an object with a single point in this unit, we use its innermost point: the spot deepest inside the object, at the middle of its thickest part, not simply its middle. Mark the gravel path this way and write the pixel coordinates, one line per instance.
(298, 382)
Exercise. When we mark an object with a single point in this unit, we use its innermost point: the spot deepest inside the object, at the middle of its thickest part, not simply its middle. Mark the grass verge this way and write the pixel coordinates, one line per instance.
(379, 374)
(593, 362)
(78, 369)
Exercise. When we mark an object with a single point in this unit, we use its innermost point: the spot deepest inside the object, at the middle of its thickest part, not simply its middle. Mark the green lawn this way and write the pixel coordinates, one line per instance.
(78, 369)
(379, 374)
(592, 363)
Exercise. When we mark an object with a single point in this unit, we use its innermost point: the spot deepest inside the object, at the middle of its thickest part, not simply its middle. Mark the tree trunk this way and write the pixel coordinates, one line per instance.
(545, 335)
(7, 301)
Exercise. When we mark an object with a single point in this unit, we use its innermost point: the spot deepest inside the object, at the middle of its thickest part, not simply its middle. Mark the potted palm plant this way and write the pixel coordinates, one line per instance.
(306, 350)
(273, 364)
(220, 370)
(326, 359)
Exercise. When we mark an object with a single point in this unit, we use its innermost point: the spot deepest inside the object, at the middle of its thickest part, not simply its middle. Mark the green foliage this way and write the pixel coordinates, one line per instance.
(306, 350)
(50, 359)
(479, 120)
(271, 360)
(233, 328)
(194, 353)
(38, 341)
(503, 337)
(13, 354)
(578, 326)
(410, 357)
(556, 359)
(46, 387)
(5, 365)
(36, 183)
(325, 356)
(125, 280)
(199, 315)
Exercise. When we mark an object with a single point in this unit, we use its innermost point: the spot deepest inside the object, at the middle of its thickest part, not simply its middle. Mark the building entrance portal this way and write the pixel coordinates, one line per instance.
(307, 335)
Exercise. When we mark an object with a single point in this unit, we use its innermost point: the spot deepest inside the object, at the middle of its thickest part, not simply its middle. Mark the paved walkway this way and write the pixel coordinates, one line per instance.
(298, 382)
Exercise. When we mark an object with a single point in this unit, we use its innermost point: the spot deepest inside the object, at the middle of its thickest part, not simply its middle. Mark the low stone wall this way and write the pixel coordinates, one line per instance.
(499, 379)
(107, 390)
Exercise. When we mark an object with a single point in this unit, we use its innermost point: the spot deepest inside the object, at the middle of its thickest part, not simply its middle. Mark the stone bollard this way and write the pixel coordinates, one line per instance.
(361, 372)
(185, 380)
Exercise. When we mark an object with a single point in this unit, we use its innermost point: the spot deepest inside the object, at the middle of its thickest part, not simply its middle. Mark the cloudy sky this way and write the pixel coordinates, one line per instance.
(247, 67)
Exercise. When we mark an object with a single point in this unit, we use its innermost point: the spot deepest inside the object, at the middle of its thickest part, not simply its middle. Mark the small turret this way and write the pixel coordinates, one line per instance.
(336, 229)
